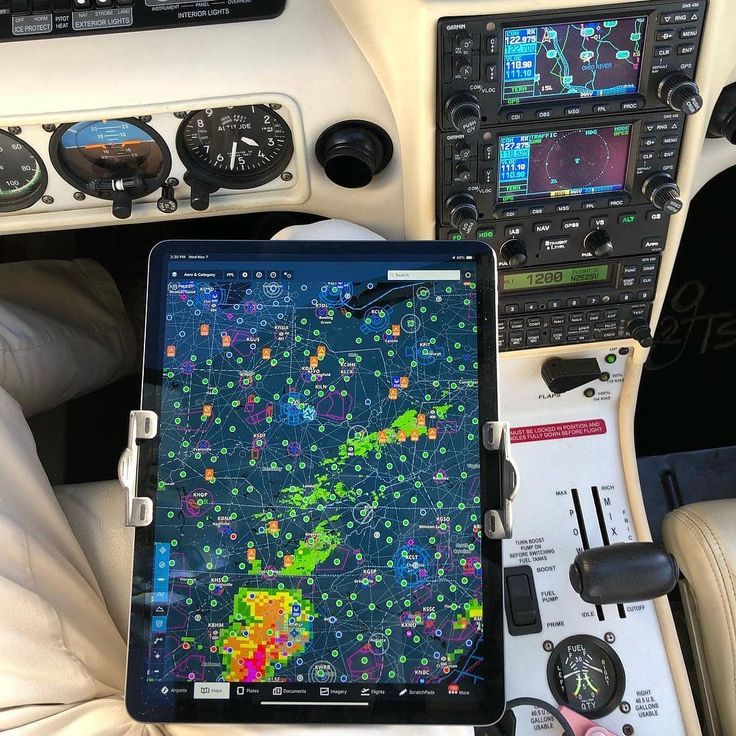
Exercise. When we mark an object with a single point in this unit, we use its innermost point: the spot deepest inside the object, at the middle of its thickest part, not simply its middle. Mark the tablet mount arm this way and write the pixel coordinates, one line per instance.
(498, 523)
(143, 425)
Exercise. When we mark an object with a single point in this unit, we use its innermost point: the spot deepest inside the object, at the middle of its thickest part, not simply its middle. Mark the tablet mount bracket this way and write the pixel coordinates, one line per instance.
(498, 523)
(143, 425)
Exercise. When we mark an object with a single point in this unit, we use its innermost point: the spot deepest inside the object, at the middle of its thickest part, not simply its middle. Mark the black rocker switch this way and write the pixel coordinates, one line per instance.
(522, 609)
(565, 374)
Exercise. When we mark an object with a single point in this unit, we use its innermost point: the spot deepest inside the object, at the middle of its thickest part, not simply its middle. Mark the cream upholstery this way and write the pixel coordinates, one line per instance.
(96, 514)
(702, 537)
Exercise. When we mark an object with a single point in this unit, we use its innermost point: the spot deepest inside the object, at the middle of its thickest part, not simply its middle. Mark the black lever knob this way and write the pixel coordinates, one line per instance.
(662, 191)
(464, 113)
(463, 213)
(639, 329)
(122, 205)
(514, 252)
(565, 374)
(681, 93)
(623, 573)
(167, 201)
(200, 196)
(598, 242)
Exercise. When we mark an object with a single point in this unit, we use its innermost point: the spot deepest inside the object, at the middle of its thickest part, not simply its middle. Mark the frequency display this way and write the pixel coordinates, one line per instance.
(563, 163)
(587, 59)
(318, 506)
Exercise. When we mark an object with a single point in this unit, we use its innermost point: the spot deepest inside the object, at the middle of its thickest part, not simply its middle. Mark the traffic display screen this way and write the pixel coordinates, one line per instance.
(318, 514)
(563, 163)
(573, 60)
(554, 278)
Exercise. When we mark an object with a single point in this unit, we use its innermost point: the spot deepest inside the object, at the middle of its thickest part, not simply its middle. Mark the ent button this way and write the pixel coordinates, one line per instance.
(521, 602)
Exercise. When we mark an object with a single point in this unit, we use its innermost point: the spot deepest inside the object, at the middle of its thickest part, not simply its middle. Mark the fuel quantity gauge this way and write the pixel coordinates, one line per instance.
(586, 675)
(23, 176)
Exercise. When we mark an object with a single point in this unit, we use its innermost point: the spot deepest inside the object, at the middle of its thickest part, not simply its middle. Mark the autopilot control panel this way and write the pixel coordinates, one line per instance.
(558, 141)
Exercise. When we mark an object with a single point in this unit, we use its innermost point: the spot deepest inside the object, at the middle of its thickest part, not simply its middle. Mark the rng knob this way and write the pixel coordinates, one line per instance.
(681, 93)
(463, 111)
(514, 252)
(598, 242)
(463, 213)
(662, 191)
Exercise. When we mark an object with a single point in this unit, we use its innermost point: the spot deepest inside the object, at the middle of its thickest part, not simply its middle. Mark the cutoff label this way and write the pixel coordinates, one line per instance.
(562, 431)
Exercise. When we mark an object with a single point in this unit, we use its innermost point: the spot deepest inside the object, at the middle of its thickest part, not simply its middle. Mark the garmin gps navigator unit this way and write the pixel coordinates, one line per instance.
(319, 479)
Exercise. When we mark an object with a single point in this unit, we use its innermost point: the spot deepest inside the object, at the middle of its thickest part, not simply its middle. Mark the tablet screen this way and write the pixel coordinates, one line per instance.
(318, 506)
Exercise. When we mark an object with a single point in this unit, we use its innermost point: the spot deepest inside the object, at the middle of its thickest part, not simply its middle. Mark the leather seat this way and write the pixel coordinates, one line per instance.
(96, 514)
(702, 537)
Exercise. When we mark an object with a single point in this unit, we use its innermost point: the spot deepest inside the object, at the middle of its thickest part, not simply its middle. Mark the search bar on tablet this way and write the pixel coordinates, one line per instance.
(424, 275)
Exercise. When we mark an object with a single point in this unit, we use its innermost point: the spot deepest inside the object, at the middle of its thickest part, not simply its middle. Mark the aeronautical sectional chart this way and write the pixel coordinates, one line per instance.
(317, 466)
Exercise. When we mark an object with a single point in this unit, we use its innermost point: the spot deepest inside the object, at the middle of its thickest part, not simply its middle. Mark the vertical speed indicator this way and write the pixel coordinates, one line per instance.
(235, 147)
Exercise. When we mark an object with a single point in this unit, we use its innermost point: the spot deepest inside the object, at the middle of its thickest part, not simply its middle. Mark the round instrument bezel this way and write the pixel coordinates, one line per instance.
(27, 200)
(197, 170)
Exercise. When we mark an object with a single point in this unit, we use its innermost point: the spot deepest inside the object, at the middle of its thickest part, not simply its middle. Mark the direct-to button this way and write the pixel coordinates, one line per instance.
(648, 141)
(572, 224)
(513, 231)
(666, 34)
(542, 227)
(522, 608)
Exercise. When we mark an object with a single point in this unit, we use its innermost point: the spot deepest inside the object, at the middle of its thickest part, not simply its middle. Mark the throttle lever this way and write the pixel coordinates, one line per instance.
(624, 573)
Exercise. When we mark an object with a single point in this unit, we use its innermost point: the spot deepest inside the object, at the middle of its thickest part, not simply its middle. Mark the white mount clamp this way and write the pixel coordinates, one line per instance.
(143, 425)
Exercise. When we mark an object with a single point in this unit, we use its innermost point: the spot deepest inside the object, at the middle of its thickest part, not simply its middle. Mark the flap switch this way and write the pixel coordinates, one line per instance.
(565, 374)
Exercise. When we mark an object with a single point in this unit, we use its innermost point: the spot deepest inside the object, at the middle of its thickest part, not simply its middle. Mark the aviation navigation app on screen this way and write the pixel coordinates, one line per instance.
(317, 513)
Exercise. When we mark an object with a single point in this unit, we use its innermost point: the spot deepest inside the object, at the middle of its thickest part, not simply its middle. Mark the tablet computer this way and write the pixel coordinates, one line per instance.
(319, 483)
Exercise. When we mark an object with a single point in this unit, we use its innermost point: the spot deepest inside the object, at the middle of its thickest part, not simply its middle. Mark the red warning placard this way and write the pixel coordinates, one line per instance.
(562, 431)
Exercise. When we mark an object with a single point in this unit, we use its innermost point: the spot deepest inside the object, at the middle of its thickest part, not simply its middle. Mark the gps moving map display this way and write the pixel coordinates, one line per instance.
(586, 59)
(317, 530)
(562, 163)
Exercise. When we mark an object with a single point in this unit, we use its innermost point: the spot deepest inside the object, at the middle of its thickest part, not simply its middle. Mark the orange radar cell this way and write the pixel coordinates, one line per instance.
(170, 351)
(266, 353)
(227, 341)
(414, 436)
(382, 437)
(209, 473)
(421, 420)
(395, 330)
(432, 433)
(393, 393)
(321, 351)
(207, 410)
(204, 330)
(403, 381)
(313, 361)
(401, 435)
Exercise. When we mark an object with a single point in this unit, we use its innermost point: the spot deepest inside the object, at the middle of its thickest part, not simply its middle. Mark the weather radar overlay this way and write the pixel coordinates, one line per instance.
(317, 511)
(588, 59)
